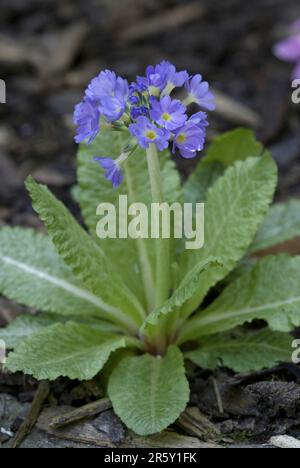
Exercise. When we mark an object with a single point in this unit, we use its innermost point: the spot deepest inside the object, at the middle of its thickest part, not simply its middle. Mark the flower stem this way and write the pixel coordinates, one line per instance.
(147, 273)
(163, 270)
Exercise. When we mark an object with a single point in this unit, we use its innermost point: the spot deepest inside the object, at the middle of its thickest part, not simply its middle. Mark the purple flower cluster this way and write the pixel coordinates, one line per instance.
(148, 110)
(289, 49)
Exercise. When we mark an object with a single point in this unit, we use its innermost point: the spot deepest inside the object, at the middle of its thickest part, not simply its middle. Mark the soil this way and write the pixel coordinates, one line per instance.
(48, 53)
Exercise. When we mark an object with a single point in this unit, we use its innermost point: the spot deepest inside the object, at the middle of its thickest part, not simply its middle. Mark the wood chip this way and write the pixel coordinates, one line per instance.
(85, 411)
(235, 112)
(285, 442)
(86, 433)
(62, 48)
(12, 51)
(159, 24)
(194, 423)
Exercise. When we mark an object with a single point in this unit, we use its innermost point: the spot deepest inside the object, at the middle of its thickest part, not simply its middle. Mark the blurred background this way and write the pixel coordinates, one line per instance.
(50, 50)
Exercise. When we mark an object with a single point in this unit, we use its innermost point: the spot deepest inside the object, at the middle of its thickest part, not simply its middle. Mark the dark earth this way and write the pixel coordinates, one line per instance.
(49, 51)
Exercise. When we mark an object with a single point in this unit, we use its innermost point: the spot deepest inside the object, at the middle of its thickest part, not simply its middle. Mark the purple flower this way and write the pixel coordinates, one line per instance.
(140, 86)
(146, 133)
(174, 79)
(139, 111)
(102, 86)
(154, 81)
(200, 93)
(189, 140)
(87, 118)
(147, 110)
(162, 76)
(110, 93)
(133, 99)
(168, 113)
(113, 172)
(113, 108)
(200, 119)
(289, 49)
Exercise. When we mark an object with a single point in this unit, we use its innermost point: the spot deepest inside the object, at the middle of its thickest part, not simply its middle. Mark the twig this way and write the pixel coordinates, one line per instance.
(86, 411)
(218, 396)
(30, 421)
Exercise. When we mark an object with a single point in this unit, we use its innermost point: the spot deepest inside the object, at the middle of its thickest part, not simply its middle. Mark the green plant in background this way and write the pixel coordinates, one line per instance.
(137, 309)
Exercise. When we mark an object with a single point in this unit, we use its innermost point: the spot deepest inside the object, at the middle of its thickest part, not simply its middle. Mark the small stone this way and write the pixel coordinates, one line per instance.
(109, 424)
(285, 442)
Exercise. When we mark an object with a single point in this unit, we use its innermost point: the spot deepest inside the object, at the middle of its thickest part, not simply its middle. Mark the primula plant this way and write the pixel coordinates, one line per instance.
(135, 311)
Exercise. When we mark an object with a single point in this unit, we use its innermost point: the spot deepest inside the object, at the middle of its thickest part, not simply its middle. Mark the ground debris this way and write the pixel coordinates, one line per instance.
(285, 442)
(78, 414)
(33, 414)
(109, 424)
(172, 18)
(196, 424)
(254, 410)
(86, 433)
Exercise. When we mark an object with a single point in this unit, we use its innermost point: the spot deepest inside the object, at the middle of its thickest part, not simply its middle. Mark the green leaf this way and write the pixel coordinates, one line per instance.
(33, 274)
(200, 181)
(149, 393)
(184, 292)
(85, 258)
(251, 353)
(27, 325)
(133, 259)
(68, 350)
(225, 151)
(281, 224)
(235, 208)
(237, 145)
(271, 292)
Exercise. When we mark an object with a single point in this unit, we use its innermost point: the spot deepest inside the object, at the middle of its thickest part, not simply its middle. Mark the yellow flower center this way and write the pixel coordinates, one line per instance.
(154, 91)
(151, 135)
(166, 117)
(181, 138)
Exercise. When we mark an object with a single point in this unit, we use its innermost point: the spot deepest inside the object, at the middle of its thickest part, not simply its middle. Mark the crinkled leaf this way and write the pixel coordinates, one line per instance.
(228, 148)
(126, 254)
(68, 350)
(271, 292)
(281, 224)
(85, 258)
(250, 353)
(149, 393)
(235, 208)
(33, 274)
(184, 291)
(204, 177)
(27, 325)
